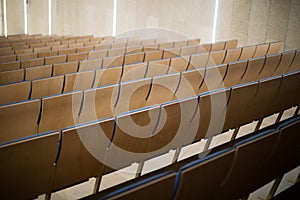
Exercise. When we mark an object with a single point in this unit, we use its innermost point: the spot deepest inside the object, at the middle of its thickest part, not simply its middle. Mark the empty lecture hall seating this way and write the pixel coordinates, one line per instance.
(60, 93)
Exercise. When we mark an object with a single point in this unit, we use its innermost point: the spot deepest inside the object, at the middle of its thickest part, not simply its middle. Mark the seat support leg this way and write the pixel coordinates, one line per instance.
(176, 155)
(274, 187)
(296, 111)
(258, 125)
(207, 144)
(97, 184)
(234, 134)
(139, 169)
(279, 117)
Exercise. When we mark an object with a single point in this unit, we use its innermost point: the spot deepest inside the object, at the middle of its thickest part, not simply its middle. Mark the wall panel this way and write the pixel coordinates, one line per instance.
(37, 16)
(15, 16)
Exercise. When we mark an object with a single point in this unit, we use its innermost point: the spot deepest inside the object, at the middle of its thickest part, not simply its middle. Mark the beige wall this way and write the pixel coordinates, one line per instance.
(37, 16)
(15, 16)
(193, 18)
(82, 17)
(250, 21)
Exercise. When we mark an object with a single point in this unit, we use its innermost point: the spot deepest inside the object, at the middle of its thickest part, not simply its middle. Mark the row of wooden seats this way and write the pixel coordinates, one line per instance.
(111, 100)
(26, 43)
(106, 50)
(244, 71)
(230, 172)
(55, 160)
(169, 65)
(55, 46)
(12, 62)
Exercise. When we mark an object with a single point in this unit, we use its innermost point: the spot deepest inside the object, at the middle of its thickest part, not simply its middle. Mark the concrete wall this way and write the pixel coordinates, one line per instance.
(37, 16)
(82, 17)
(250, 21)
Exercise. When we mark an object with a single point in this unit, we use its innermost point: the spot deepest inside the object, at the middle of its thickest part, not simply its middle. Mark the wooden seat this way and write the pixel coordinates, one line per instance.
(85, 49)
(263, 103)
(179, 64)
(79, 81)
(247, 52)
(252, 156)
(204, 48)
(232, 55)
(39, 49)
(144, 189)
(28, 165)
(107, 76)
(271, 63)
(14, 92)
(66, 51)
(113, 61)
(27, 56)
(12, 76)
(237, 112)
(193, 42)
(118, 45)
(8, 58)
(150, 47)
(234, 73)
(213, 79)
(286, 155)
(195, 176)
(134, 49)
(6, 52)
(97, 54)
(180, 43)
(198, 60)
(91, 64)
(153, 55)
(212, 109)
(65, 68)
(171, 53)
(285, 62)
(156, 68)
(132, 95)
(19, 119)
(32, 73)
(55, 59)
(75, 45)
(132, 134)
(102, 46)
(98, 103)
(116, 52)
(275, 47)
(176, 119)
(133, 43)
(296, 62)
(190, 83)
(288, 93)
(134, 71)
(22, 51)
(59, 111)
(165, 45)
(218, 46)
(77, 56)
(188, 50)
(216, 57)
(163, 89)
(261, 50)
(48, 53)
(10, 66)
(254, 66)
(77, 148)
(47, 86)
(32, 63)
(59, 47)
(231, 44)
(134, 58)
